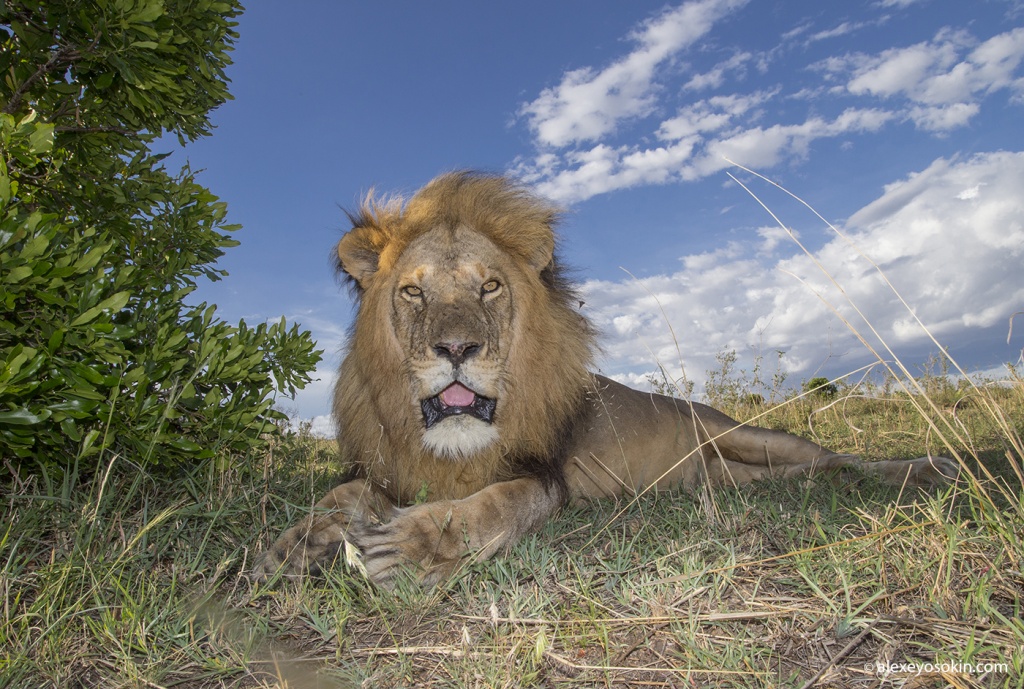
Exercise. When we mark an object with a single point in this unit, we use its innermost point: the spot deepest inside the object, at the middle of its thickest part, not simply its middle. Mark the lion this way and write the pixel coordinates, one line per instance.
(466, 408)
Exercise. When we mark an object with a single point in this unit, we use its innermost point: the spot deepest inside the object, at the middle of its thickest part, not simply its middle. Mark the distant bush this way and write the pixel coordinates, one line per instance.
(100, 245)
(821, 387)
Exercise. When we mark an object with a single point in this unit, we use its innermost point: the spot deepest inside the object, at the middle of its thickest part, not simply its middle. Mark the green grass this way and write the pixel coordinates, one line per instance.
(126, 580)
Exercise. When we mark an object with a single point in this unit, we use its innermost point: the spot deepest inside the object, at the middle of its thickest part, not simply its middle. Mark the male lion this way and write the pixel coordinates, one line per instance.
(466, 383)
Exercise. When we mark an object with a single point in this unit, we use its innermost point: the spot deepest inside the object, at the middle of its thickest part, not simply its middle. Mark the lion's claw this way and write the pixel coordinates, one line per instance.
(410, 543)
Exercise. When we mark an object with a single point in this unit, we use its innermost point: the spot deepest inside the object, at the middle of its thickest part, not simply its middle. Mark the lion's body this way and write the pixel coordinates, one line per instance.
(466, 383)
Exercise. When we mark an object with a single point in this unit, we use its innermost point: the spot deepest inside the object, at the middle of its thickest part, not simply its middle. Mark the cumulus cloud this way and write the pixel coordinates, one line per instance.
(583, 147)
(711, 115)
(588, 104)
(943, 77)
(688, 155)
(716, 76)
(950, 238)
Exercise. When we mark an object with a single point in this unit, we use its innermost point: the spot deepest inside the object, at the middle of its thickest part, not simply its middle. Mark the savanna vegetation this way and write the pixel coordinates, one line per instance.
(143, 469)
(133, 581)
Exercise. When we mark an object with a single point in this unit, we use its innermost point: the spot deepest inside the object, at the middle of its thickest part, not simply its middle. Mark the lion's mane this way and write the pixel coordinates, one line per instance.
(545, 379)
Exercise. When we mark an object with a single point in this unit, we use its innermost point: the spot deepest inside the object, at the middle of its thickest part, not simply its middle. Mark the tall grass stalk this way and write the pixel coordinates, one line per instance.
(906, 380)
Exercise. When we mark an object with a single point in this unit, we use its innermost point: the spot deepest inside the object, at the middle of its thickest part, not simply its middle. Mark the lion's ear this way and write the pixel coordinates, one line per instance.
(542, 252)
(359, 253)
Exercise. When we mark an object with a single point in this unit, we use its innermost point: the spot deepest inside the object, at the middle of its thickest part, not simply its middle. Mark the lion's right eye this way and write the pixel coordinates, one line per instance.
(490, 287)
(412, 291)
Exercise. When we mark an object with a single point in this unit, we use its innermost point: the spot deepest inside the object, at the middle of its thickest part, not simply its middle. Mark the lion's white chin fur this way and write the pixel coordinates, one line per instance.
(459, 437)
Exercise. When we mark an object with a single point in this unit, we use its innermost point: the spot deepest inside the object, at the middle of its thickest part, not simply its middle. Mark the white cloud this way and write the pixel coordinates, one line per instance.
(764, 147)
(944, 76)
(900, 3)
(716, 77)
(950, 238)
(589, 104)
(900, 70)
(841, 30)
(329, 332)
(689, 157)
(796, 31)
(942, 118)
(937, 85)
(711, 115)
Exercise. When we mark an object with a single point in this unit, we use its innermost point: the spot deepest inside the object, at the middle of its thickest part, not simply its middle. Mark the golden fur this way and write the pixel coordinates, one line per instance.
(378, 424)
(461, 298)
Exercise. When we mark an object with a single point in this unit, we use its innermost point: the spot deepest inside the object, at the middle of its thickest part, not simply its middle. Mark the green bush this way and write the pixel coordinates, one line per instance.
(100, 246)
(821, 387)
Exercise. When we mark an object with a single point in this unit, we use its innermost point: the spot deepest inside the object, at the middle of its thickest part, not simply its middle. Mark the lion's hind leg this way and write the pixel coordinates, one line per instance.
(746, 453)
(730, 472)
(923, 472)
(313, 545)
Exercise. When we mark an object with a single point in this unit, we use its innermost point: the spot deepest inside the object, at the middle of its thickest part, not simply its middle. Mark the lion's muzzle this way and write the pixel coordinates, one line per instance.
(457, 400)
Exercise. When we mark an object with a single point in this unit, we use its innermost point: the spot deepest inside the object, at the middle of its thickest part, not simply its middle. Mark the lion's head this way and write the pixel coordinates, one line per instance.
(468, 356)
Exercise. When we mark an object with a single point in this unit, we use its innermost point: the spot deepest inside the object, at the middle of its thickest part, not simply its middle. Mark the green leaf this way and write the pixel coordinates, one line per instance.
(76, 406)
(70, 429)
(18, 274)
(23, 417)
(185, 445)
(34, 247)
(153, 10)
(55, 341)
(41, 139)
(90, 440)
(89, 260)
(112, 303)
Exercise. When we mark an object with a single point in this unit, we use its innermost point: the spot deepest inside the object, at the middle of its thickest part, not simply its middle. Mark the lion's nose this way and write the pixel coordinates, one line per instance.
(456, 352)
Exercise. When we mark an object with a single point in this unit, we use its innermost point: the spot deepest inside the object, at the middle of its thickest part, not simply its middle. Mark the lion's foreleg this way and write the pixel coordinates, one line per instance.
(431, 540)
(313, 544)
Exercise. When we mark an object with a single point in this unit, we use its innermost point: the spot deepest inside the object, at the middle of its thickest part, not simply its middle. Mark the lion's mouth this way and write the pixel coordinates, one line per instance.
(456, 400)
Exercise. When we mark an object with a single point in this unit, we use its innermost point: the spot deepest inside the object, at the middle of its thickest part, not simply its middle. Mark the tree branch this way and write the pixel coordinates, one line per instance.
(95, 130)
(61, 57)
(56, 58)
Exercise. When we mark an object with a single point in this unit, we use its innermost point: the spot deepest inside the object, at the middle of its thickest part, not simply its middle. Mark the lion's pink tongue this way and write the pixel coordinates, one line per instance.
(456, 395)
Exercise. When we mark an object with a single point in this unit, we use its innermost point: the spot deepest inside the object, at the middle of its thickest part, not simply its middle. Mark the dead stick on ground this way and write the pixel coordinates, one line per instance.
(842, 654)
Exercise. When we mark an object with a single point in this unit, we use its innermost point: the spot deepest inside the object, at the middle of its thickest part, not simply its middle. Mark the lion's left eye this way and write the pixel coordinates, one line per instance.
(490, 287)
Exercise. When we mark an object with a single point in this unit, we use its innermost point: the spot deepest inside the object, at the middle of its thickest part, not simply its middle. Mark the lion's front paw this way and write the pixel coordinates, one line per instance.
(422, 541)
(309, 548)
(314, 544)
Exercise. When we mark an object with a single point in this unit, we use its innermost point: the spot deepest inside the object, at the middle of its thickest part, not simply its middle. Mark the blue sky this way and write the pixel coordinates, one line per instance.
(900, 121)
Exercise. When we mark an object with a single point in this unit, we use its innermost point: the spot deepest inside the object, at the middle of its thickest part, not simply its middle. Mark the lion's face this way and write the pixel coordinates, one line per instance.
(468, 347)
(452, 315)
